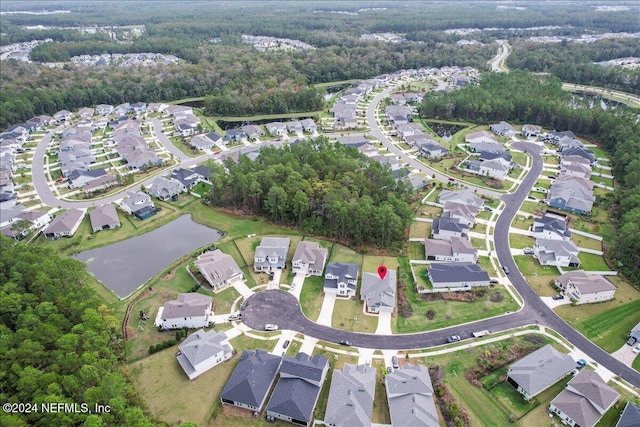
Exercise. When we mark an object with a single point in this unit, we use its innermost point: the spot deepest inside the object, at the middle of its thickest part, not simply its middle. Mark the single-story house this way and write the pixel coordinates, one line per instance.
(488, 147)
(294, 127)
(65, 224)
(165, 189)
(466, 197)
(271, 254)
(378, 294)
(503, 129)
(309, 125)
(551, 226)
(350, 401)
(456, 249)
(203, 350)
(539, 370)
(104, 217)
(101, 183)
(583, 287)
(431, 150)
(531, 130)
(251, 380)
(410, 397)
(276, 128)
(584, 401)
(635, 332)
(218, 268)
(191, 310)
(341, 279)
(494, 169)
(253, 131)
(206, 141)
(296, 393)
(561, 253)
(79, 178)
(309, 259)
(630, 416)
(457, 275)
(480, 137)
(138, 204)
(465, 213)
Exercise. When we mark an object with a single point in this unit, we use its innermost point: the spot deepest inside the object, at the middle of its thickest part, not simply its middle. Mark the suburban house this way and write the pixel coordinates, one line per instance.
(379, 295)
(431, 150)
(135, 152)
(203, 350)
(539, 370)
(218, 268)
(350, 402)
(296, 393)
(461, 196)
(104, 217)
(341, 279)
(13, 228)
(580, 152)
(137, 204)
(571, 194)
(566, 143)
(445, 228)
(503, 129)
(583, 287)
(493, 169)
(251, 380)
(551, 226)
(585, 400)
(457, 275)
(271, 254)
(554, 137)
(64, 224)
(294, 127)
(486, 147)
(192, 310)
(505, 158)
(276, 128)
(561, 253)
(62, 116)
(206, 141)
(630, 416)
(253, 131)
(187, 126)
(465, 213)
(480, 137)
(104, 109)
(309, 259)
(410, 397)
(635, 332)
(529, 131)
(186, 177)
(234, 135)
(309, 125)
(165, 189)
(456, 249)
(101, 183)
(79, 178)
(577, 169)
(368, 150)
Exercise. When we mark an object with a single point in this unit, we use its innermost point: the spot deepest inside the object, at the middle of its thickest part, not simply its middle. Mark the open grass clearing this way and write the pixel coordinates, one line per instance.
(485, 263)
(523, 223)
(311, 297)
(348, 315)
(371, 263)
(592, 262)
(607, 324)
(420, 229)
(341, 253)
(533, 208)
(586, 242)
(429, 211)
(602, 180)
(416, 250)
(201, 188)
(519, 241)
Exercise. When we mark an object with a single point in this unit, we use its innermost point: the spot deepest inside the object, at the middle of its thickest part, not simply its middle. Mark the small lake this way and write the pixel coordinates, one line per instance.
(124, 266)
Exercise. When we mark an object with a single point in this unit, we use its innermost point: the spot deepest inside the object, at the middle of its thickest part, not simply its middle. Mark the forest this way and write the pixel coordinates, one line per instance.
(521, 97)
(322, 188)
(59, 343)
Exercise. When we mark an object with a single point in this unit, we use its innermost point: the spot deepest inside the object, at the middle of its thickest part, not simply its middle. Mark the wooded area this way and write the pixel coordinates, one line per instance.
(520, 97)
(59, 344)
(324, 188)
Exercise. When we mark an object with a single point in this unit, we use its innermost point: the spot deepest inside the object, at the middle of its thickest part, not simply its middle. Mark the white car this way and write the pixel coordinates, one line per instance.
(636, 349)
(270, 327)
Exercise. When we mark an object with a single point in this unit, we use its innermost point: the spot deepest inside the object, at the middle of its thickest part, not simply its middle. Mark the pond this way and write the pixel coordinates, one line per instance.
(125, 266)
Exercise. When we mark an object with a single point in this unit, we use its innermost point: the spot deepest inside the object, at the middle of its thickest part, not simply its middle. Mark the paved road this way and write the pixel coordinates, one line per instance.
(497, 62)
(380, 135)
(162, 138)
(283, 309)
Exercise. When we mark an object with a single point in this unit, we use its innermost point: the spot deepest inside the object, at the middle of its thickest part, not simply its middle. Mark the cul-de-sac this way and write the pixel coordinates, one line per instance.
(385, 213)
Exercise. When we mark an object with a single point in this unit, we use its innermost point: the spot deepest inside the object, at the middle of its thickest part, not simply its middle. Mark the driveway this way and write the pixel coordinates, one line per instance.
(327, 309)
(275, 283)
(296, 285)
(625, 354)
(242, 288)
(308, 344)
(384, 324)
(287, 334)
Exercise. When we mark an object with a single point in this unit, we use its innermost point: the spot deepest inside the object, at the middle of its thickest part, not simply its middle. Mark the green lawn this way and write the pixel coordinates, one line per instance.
(420, 229)
(341, 253)
(523, 224)
(201, 188)
(636, 363)
(519, 241)
(348, 315)
(606, 324)
(592, 262)
(532, 208)
(485, 262)
(416, 250)
(586, 242)
(602, 180)
(429, 211)
(311, 297)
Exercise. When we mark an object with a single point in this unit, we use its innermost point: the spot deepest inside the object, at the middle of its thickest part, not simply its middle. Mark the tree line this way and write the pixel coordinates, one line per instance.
(320, 187)
(521, 97)
(59, 344)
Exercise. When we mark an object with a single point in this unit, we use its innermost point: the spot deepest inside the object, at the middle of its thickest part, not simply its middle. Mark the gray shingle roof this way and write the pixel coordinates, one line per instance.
(457, 272)
(252, 377)
(552, 223)
(217, 267)
(312, 254)
(540, 369)
(350, 402)
(187, 305)
(630, 416)
(65, 221)
(448, 224)
(378, 292)
(586, 282)
(104, 215)
(343, 272)
(201, 345)
(410, 397)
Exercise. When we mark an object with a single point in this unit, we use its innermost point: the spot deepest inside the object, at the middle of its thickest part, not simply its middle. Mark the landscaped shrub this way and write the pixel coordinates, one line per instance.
(431, 314)
(496, 297)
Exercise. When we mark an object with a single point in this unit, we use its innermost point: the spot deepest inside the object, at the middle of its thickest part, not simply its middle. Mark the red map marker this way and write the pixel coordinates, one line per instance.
(382, 271)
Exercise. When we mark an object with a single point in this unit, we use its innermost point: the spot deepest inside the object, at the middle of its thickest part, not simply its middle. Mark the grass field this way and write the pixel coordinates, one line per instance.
(348, 315)
(428, 211)
(592, 262)
(519, 241)
(311, 297)
(371, 263)
(416, 250)
(523, 224)
(585, 242)
(341, 253)
(606, 324)
(636, 363)
(420, 229)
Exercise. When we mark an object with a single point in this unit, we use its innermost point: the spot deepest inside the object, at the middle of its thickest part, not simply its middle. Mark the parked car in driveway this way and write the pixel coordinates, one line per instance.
(558, 296)
(636, 349)
(394, 362)
(286, 344)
